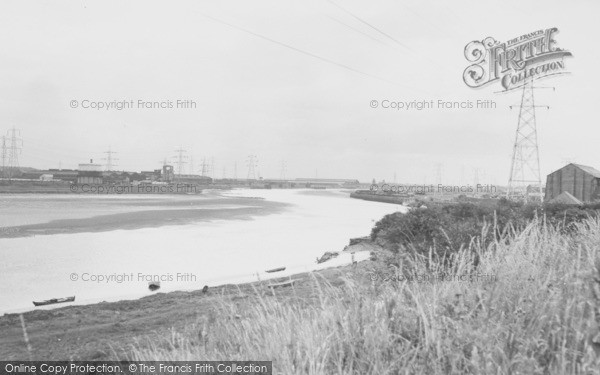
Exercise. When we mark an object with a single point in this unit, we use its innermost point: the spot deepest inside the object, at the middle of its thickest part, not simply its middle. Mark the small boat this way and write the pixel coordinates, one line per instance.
(54, 300)
(327, 256)
(154, 285)
(275, 270)
(282, 284)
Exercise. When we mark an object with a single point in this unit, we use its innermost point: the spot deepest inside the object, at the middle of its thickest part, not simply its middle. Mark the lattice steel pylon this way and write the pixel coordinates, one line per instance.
(251, 162)
(16, 145)
(525, 180)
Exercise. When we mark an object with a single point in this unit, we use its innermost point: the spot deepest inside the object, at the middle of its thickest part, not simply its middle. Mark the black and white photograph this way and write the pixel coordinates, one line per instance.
(315, 187)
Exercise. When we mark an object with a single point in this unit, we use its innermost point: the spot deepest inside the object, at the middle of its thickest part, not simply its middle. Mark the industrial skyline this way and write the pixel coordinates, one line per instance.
(13, 145)
(287, 95)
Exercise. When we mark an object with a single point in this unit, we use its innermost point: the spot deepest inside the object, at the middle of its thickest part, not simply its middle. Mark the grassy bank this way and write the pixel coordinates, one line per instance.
(539, 313)
(450, 292)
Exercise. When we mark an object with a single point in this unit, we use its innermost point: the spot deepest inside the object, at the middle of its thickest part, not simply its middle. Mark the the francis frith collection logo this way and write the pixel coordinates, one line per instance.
(512, 63)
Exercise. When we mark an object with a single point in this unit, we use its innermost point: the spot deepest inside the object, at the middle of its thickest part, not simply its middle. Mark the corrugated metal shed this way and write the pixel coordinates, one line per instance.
(580, 181)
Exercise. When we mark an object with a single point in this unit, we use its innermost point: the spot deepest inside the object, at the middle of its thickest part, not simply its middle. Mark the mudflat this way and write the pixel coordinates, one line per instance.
(107, 331)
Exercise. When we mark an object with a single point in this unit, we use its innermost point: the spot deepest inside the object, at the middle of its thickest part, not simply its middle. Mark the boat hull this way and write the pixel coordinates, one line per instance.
(54, 301)
(276, 270)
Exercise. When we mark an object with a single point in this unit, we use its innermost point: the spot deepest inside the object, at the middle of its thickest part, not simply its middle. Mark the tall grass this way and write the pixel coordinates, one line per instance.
(538, 315)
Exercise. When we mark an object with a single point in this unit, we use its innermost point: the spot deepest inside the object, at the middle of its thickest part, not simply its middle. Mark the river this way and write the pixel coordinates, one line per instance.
(117, 264)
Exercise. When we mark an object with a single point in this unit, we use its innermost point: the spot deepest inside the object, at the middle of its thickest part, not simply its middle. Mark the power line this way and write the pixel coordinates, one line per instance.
(371, 26)
(419, 56)
(324, 59)
(357, 30)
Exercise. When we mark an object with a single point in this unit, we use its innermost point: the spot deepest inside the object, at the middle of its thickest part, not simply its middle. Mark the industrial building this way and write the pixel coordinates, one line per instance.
(327, 183)
(574, 184)
(68, 175)
(193, 179)
(90, 173)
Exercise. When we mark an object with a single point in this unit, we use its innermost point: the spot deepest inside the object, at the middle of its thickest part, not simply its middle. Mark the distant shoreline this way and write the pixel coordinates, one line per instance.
(157, 214)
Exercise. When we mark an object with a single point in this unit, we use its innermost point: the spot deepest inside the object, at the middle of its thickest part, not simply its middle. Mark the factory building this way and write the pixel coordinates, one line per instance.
(89, 173)
(193, 179)
(167, 173)
(573, 181)
(327, 183)
(51, 174)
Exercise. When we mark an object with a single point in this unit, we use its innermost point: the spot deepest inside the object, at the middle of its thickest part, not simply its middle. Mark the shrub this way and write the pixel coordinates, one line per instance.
(447, 228)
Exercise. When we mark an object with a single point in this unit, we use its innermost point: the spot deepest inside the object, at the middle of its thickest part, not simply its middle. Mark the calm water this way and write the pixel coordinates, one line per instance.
(186, 257)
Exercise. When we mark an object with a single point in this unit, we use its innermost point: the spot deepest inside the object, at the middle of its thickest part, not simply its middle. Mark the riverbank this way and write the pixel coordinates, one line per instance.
(385, 198)
(106, 330)
(525, 301)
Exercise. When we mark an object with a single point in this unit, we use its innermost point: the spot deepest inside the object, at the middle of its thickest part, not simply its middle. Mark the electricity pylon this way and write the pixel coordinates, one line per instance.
(16, 144)
(3, 154)
(251, 162)
(525, 164)
(110, 159)
(180, 160)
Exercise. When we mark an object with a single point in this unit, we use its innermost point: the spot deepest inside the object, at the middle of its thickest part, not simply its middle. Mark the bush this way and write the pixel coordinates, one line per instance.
(446, 228)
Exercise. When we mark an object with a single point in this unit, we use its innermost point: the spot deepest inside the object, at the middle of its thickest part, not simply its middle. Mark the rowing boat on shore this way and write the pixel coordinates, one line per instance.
(276, 270)
(154, 285)
(54, 300)
(282, 284)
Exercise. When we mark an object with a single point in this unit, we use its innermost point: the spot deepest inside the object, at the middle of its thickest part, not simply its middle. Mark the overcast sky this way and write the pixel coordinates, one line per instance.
(288, 81)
